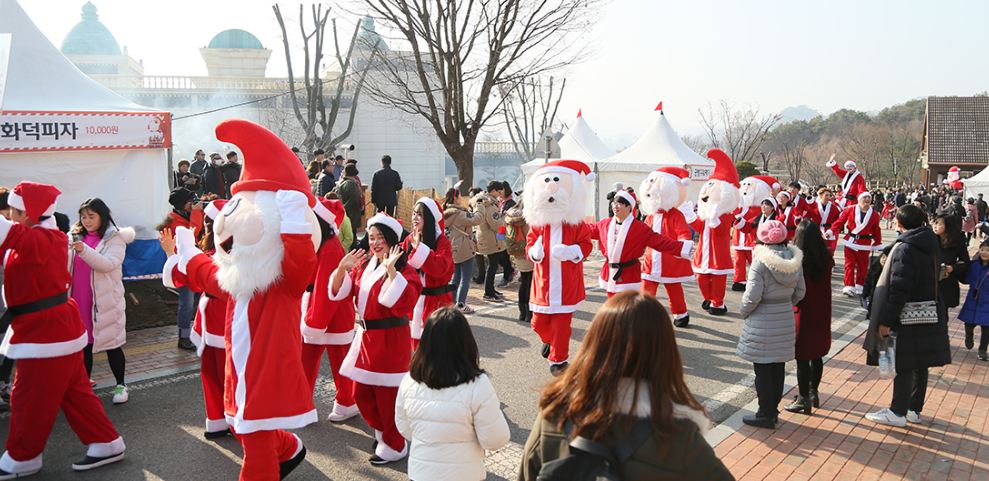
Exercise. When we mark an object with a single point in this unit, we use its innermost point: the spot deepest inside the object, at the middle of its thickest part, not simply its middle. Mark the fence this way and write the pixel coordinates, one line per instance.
(406, 201)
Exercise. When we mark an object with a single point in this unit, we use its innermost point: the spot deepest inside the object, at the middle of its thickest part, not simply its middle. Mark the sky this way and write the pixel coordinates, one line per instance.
(858, 54)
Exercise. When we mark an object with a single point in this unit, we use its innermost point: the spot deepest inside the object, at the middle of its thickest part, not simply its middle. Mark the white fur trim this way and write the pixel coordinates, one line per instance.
(555, 297)
(388, 454)
(392, 291)
(589, 177)
(296, 228)
(197, 341)
(373, 272)
(247, 270)
(10, 465)
(311, 331)
(211, 211)
(433, 207)
(327, 216)
(216, 425)
(16, 201)
(392, 379)
(102, 450)
(616, 247)
(390, 222)
(329, 338)
(271, 424)
(31, 350)
(850, 243)
(419, 255)
(613, 288)
(166, 272)
(850, 163)
(668, 280)
(859, 225)
(777, 263)
(554, 309)
(864, 194)
(686, 248)
(625, 195)
(298, 445)
(345, 288)
(5, 226)
(713, 272)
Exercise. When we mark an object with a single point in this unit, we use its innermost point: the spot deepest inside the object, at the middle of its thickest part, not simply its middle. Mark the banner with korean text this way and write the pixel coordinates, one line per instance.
(50, 131)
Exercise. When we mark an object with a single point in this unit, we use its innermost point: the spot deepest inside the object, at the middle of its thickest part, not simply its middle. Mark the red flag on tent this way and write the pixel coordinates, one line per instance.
(660, 107)
(579, 112)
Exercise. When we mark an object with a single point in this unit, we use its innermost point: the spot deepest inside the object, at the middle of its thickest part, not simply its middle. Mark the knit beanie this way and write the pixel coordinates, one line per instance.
(771, 232)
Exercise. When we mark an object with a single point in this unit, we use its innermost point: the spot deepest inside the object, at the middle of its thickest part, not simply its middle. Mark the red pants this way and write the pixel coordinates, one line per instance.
(311, 354)
(674, 291)
(554, 329)
(832, 245)
(856, 267)
(713, 288)
(377, 405)
(212, 372)
(41, 387)
(740, 258)
(264, 451)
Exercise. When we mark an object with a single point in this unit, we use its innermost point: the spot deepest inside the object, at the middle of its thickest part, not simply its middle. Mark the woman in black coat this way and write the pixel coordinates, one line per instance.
(954, 257)
(909, 275)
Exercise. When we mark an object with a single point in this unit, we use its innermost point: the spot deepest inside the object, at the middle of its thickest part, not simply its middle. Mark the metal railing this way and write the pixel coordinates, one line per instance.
(203, 83)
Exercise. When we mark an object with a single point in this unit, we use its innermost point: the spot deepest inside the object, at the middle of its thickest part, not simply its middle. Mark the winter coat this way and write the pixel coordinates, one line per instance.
(109, 319)
(981, 207)
(213, 181)
(459, 223)
(350, 195)
(813, 319)
(324, 183)
(450, 428)
(912, 277)
(976, 309)
(775, 283)
(515, 239)
(487, 231)
(957, 257)
(688, 456)
(385, 184)
(968, 221)
(231, 174)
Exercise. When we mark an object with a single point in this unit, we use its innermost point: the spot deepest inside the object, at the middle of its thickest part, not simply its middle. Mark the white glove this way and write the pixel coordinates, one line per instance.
(739, 222)
(831, 163)
(184, 240)
(563, 252)
(292, 205)
(536, 251)
(828, 235)
(687, 208)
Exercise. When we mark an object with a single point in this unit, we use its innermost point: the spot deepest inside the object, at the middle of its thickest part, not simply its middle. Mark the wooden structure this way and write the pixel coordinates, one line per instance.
(956, 133)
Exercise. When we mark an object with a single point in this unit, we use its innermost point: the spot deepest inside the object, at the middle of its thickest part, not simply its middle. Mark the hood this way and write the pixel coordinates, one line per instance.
(127, 234)
(513, 217)
(452, 210)
(643, 408)
(922, 238)
(782, 262)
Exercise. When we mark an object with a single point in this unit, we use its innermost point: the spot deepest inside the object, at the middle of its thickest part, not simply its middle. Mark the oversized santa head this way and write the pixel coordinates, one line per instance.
(664, 189)
(719, 195)
(954, 178)
(247, 232)
(556, 194)
(756, 188)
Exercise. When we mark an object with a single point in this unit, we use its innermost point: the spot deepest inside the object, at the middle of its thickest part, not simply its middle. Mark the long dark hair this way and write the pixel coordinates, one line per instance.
(451, 197)
(99, 207)
(447, 354)
(391, 238)
(817, 257)
(429, 225)
(952, 229)
(326, 230)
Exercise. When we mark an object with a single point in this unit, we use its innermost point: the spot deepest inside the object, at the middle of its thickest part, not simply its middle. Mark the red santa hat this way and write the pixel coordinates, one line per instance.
(331, 211)
(771, 183)
(565, 166)
(850, 163)
(434, 208)
(269, 164)
(724, 169)
(675, 174)
(34, 199)
(387, 221)
(213, 208)
(787, 194)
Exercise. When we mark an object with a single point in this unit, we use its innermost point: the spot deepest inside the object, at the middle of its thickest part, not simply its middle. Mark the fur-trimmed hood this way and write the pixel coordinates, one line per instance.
(452, 210)
(643, 408)
(783, 262)
(514, 216)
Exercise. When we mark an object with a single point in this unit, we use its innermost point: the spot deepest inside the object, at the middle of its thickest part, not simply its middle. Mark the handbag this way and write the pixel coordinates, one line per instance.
(922, 312)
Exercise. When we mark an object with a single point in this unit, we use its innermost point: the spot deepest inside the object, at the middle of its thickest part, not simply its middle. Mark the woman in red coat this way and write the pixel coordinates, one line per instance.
(787, 213)
(813, 316)
(431, 254)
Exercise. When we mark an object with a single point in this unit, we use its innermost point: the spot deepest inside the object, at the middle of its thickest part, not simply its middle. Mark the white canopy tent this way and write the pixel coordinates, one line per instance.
(978, 184)
(60, 127)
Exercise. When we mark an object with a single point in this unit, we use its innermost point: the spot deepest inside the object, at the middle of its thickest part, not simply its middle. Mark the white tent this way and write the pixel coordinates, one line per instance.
(60, 127)
(978, 184)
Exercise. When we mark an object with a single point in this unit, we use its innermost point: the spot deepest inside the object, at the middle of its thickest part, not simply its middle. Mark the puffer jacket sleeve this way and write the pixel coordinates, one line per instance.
(753, 289)
(108, 262)
(401, 417)
(489, 422)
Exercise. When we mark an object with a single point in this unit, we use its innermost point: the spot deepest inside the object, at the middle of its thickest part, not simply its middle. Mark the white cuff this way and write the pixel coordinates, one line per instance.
(345, 288)
(392, 291)
(102, 450)
(187, 256)
(166, 272)
(831, 163)
(5, 226)
(311, 331)
(13, 466)
(288, 227)
(419, 256)
(685, 249)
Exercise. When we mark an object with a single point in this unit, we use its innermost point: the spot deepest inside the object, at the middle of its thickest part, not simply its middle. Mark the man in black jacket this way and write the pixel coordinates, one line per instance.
(213, 177)
(385, 185)
(231, 172)
(981, 207)
(325, 182)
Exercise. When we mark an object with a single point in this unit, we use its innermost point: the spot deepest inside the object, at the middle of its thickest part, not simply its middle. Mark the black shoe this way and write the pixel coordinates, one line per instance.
(90, 462)
(814, 399)
(718, 311)
(682, 322)
(374, 446)
(288, 466)
(6, 475)
(217, 434)
(493, 298)
(186, 344)
(799, 404)
(738, 287)
(478, 282)
(377, 460)
(969, 340)
(557, 369)
(760, 421)
(706, 305)
(545, 350)
(983, 356)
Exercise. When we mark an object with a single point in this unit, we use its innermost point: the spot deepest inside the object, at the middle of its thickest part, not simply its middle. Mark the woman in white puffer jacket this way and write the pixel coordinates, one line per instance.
(446, 404)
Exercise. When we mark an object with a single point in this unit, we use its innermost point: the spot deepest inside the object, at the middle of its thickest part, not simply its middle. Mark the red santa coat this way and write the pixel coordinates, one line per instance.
(626, 243)
(750, 228)
(788, 216)
(435, 271)
(713, 255)
(868, 227)
(35, 261)
(742, 240)
(325, 321)
(663, 267)
(265, 386)
(851, 185)
(550, 294)
(379, 357)
(824, 214)
(209, 327)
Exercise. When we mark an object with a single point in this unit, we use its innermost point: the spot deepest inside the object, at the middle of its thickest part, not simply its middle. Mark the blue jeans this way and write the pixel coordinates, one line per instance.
(186, 309)
(461, 279)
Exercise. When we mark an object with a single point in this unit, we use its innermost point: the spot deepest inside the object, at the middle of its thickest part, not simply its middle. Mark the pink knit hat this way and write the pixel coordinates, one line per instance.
(771, 232)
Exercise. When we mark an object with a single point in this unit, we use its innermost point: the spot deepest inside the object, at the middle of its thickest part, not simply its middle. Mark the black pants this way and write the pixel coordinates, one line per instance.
(909, 389)
(5, 369)
(479, 263)
(809, 374)
(525, 287)
(498, 258)
(387, 209)
(115, 358)
(983, 339)
(769, 387)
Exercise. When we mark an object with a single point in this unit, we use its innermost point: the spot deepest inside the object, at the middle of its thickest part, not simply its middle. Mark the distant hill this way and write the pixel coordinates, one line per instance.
(801, 112)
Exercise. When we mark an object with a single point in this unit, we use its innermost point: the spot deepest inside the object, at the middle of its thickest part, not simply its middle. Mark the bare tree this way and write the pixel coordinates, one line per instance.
(530, 110)
(317, 124)
(697, 143)
(791, 141)
(738, 130)
(463, 51)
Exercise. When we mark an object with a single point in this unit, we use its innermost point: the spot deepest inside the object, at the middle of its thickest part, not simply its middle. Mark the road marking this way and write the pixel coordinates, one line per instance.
(161, 346)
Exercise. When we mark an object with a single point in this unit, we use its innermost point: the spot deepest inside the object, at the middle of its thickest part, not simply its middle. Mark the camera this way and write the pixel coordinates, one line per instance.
(346, 147)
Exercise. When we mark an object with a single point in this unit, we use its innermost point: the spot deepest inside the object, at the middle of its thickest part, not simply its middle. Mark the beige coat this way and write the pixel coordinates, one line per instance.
(459, 224)
(487, 231)
(109, 319)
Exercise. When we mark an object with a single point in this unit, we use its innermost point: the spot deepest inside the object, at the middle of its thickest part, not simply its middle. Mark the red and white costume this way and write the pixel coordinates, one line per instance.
(864, 236)
(46, 336)
(665, 268)
(712, 260)
(825, 215)
(380, 355)
(789, 216)
(753, 189)
(852, 184)
(435, 269)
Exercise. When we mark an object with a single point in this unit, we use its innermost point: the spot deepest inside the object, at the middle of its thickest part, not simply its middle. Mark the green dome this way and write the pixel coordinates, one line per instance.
(368, 38)
(235, 38)
(90, 37)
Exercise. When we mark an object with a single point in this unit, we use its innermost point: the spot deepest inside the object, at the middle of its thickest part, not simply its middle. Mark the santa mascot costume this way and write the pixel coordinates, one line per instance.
(265, 252)
(558, 242)
(719, 197)
(662, 192)
(863, 237)
(753, 191)
(431, 255)
(852, 182)
(954, 178)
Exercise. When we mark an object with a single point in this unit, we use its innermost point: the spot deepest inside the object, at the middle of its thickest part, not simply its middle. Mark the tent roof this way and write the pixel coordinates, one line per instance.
(979, 180)
(659, 146)
(579, 143)
(40, 78)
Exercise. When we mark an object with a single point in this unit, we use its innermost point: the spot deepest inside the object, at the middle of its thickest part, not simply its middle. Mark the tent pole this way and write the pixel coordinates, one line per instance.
(597, 193)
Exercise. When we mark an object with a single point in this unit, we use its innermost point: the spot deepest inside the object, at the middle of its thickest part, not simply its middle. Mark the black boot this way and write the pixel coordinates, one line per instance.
(706, 305)
(682, 322)
(291, 464)
(969, 339)
(718, 311)
(557, 369)
(738, 287)
(814, 400)
(799, 404)
(545, 350)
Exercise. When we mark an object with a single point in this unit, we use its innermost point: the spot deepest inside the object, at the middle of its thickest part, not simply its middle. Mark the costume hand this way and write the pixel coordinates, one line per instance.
(883, 330)
(394, 254)
(167, 241)
(563, 252)
(292, 205)
(352, 258)
(185, 239)
(536, 251)
(687, 209)
(828, 235)
(78, 246)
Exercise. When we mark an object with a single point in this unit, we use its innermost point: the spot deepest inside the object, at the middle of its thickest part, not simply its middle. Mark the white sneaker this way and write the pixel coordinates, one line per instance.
(848, 291)
(913, 417)
(343, 413)
(120, 394)
(887, 417)
(859, 290)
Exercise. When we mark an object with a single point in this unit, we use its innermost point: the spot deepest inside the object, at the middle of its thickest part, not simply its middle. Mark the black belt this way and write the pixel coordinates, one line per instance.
(383, 323)
(826, 226)
(32, 307)
(857, 237)
(621, 266)
(310, 287)
(439, 290)
(209, 296)
(849, 196)
(791, 228)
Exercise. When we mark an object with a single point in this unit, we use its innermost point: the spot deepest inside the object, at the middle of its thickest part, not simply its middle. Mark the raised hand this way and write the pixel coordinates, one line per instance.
(394, 254)
(167, 241)
(415, 236)
(352, 258)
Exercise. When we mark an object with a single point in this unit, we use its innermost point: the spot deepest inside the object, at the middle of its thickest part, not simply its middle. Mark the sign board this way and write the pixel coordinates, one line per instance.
(49, 131)
(4, 62)
(700, 172)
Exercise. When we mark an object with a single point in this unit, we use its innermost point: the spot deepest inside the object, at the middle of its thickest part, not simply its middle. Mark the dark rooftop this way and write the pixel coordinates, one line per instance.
(957, 130)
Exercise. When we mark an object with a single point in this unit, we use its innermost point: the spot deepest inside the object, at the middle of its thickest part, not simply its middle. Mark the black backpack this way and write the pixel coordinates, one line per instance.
(594, 461)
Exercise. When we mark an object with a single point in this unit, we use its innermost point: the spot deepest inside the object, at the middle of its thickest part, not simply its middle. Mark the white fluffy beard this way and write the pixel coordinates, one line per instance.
(752, 198)
(247, 270)
(709, 211)
(661, 195)
(565, 209)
